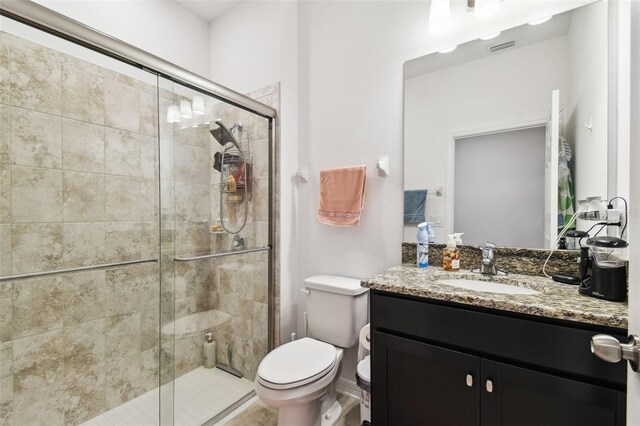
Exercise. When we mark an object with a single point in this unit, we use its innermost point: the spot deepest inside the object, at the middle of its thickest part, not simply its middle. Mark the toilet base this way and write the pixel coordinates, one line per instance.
(332, 415)
(301, 414)
(308, 414)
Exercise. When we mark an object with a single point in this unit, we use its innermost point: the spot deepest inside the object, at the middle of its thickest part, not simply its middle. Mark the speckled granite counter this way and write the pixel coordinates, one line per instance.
(559, 301)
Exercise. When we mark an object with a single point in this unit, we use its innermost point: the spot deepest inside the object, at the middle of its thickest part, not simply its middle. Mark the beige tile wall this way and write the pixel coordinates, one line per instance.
(78, 186)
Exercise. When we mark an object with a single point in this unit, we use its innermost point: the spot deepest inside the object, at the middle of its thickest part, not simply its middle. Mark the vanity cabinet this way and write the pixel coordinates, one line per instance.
(436, 363)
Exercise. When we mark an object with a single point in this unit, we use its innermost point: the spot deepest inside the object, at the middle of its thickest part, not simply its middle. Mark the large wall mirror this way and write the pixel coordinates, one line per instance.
(503, 131)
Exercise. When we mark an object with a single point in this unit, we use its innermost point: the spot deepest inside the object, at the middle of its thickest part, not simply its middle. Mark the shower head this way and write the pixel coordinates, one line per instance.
(222, 134)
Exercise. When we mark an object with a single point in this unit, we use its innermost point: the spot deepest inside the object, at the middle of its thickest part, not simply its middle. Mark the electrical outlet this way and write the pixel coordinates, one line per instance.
(438, 221)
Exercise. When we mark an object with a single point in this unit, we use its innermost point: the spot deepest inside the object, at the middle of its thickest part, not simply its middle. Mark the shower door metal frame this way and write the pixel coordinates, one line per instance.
(42, 18)
(47, 20)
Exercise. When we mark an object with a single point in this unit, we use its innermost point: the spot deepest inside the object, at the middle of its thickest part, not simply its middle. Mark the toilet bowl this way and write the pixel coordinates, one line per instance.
(300, 377)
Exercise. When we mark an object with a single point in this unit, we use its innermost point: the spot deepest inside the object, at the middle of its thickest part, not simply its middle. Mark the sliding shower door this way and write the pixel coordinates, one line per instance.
(79, 233)
(215, 186)
(136, 236)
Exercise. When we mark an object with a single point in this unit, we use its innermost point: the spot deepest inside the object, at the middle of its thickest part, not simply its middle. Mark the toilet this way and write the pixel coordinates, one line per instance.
(300, 377)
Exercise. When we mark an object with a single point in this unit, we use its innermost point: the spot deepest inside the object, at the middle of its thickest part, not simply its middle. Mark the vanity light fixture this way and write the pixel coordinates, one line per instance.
(198, 105)
(185, 109)
(439, 17)
(486, 8)
(491, 36)
(173, 114)
(448, 49)
(540, 21)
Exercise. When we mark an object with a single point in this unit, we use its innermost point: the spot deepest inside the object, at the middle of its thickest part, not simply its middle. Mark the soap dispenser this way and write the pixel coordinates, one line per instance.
(209, 351)
(451, 256)
(457, 236)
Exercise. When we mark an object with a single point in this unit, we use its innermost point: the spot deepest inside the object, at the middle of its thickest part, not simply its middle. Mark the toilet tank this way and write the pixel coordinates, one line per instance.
(336, 309)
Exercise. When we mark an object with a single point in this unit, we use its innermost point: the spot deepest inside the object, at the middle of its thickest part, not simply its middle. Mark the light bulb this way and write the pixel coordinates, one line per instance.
(491, 36)
(486, 8)
(173, 114)
(198, 105)
(439, 17)
(448, 49)
(540, 21)
(185, 109)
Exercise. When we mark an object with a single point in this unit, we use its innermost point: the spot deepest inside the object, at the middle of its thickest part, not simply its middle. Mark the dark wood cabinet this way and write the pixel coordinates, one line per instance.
(425, 384)
(435, 364)
(524, 397)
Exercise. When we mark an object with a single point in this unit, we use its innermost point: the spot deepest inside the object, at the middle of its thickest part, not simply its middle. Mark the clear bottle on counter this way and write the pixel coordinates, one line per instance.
(451, 255)
(431, 235)
(423, 246)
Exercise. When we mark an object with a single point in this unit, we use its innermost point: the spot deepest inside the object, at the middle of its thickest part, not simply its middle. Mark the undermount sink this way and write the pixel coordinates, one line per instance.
(487, 286)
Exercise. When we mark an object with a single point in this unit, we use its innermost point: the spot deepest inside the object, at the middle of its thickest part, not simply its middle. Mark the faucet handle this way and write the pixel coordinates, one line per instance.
(490, 245)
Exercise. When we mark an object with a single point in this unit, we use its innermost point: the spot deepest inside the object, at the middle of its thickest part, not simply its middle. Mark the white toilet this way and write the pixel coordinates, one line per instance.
(300, 377)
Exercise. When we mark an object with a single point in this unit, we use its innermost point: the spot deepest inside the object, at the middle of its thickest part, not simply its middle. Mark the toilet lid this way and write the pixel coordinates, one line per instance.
(299, 361)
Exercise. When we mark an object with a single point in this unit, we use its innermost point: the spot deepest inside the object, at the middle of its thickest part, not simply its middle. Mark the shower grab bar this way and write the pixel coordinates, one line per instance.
(226, 253)
(78, 269)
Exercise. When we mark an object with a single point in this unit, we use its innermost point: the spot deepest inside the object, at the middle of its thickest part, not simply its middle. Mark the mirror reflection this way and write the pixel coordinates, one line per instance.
(505, 134)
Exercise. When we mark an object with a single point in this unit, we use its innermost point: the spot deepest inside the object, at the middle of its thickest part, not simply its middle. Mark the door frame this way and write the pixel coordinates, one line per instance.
(633, 378)
(451, 153)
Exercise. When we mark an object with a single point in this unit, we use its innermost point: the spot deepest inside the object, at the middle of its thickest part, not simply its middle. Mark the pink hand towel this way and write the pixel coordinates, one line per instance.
(342, 195)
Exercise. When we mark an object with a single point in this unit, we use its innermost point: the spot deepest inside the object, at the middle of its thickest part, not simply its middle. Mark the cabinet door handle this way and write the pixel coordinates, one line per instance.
(469, 380)
(489, 386)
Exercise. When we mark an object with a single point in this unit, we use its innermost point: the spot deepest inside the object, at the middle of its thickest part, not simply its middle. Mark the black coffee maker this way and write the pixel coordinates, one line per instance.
(603, 268)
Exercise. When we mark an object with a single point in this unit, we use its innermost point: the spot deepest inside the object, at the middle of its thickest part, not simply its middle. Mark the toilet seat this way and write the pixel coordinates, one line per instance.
(296, 364)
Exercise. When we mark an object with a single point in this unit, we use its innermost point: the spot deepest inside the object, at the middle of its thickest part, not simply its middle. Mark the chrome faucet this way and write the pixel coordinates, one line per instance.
(488, 266)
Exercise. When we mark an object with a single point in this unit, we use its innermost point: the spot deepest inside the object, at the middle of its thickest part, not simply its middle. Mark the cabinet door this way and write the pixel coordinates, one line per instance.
(517, 396)
(419, 384)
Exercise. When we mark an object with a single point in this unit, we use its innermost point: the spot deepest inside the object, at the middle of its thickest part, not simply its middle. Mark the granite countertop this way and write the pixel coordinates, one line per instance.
(556, 300)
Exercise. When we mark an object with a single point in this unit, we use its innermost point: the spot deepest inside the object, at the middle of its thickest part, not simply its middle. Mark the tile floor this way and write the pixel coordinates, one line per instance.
(258, 413)
(199, 395)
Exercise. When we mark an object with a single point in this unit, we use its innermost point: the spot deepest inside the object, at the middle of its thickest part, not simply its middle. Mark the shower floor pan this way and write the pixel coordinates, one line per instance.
(199, 395)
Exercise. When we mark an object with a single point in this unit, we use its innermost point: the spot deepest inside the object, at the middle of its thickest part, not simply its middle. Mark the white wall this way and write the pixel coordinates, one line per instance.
(587, 99)
(507, 89)
(163, 28)
(349, 65)
(351, 57)
(245, 46)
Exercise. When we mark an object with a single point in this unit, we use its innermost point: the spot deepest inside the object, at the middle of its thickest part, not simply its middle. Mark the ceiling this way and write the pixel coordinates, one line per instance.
(523, 35)
(208, 9)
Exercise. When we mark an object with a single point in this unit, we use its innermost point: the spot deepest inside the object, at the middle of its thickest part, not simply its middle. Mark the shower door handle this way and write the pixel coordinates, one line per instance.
(223, 254)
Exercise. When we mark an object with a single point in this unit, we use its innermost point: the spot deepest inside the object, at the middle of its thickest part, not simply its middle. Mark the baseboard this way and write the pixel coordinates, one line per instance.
(348, 387)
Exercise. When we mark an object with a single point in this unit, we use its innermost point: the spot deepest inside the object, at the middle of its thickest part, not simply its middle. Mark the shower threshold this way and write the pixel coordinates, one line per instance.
(199, 396)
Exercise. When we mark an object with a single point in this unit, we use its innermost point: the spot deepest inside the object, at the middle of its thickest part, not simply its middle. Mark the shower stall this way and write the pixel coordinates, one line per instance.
(137, 216)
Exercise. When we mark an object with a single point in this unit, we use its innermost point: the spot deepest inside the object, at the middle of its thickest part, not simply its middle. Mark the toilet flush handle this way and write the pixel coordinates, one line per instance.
(305, 291)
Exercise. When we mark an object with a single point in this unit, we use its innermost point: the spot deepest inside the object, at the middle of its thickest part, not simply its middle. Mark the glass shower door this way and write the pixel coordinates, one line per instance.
(214, 165)
(79, 277)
